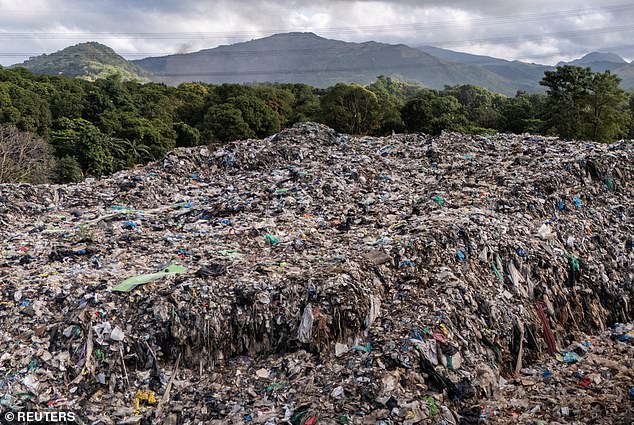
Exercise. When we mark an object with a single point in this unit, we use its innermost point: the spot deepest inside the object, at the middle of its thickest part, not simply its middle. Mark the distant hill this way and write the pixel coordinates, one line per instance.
(600, 62)
(525, 76)
(626, 72)
(596, 57)
(321, 62)
(308, 58)
(85, 60)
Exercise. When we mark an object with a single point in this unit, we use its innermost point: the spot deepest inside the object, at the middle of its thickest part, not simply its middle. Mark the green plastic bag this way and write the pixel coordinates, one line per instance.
(132, 282)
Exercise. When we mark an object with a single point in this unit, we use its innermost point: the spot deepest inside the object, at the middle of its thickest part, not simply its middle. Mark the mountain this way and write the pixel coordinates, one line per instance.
(600, 62)
(626, 72)
(85, 60)
(596, 57)
(308, 58)
(612, 62)
(525, 75)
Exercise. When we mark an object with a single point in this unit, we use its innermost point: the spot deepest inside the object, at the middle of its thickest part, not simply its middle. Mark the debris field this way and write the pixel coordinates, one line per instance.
(318, 278)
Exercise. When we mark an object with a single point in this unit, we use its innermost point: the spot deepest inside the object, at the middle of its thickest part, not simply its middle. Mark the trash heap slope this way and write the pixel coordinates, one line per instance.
(441, 257)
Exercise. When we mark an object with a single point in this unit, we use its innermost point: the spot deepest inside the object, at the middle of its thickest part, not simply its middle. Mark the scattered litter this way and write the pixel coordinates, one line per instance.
(324, 279)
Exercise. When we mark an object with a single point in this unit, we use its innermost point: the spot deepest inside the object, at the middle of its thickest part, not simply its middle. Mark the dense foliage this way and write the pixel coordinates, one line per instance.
(585, 105)
(97, 128)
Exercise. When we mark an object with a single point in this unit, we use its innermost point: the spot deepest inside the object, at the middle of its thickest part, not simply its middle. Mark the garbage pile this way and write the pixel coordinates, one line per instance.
(590, 381)
(318, 278)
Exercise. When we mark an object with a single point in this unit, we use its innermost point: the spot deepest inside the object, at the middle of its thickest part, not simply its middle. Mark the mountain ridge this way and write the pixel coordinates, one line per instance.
(596, 57)
(525, 75)
(602, 61)
(318, 61)
(305, 57)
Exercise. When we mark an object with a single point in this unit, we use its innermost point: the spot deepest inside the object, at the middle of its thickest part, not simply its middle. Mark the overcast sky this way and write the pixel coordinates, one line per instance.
(541, 31)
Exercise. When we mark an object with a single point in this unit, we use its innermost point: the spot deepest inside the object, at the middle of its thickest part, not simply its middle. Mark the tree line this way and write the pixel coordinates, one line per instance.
(82, 128)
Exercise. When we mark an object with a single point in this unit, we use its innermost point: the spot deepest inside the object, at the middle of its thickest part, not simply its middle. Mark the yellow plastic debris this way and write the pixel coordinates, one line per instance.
(143, 396)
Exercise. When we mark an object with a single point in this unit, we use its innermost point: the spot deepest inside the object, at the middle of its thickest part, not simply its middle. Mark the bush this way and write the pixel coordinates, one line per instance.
(68, 170)
(24, 157)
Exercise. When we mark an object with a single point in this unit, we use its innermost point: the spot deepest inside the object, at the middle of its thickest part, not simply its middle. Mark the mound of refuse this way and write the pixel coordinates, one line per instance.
(318, 278)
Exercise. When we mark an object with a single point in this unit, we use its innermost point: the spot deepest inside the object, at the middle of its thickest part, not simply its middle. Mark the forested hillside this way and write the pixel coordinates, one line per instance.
(97, 128)
(89, 61)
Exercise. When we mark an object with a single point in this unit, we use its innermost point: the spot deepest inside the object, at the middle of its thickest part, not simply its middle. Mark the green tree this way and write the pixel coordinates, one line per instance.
(192, 98)
(306, 106)
(128, 153)
(585, 105)
(96, 103)
(187, 135)
(116, 91)
(482, 107)
(68, 170)
(391, 96)
(25, 109)
(567, 94)
(278, 99)
(431, 113)
(67, 97)
(224, 92)
(9, 115)
(225, 123)
(81, 139)
(606, 108)
(157, 135)
(256, 114)
(154, 101)
(522, 113)
(350, 109)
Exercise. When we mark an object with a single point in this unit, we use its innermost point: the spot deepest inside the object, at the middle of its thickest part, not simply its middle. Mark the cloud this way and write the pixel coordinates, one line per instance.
(540, 30)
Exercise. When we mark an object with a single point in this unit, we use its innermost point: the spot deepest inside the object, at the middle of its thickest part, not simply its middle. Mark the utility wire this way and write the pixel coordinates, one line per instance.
(416, 26)
(236, 51)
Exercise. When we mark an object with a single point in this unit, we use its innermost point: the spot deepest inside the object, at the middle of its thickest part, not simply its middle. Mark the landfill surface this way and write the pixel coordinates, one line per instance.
(318, 278)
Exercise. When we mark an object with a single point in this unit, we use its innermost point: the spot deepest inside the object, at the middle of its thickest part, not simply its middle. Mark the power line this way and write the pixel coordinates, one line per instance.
(224, 50)
(538, 37)
(417, 26)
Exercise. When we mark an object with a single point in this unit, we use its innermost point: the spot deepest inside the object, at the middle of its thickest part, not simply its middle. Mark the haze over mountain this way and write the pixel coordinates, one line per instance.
(318, 61)
(595, 57)
(600, 61)
(311, 59)
(525, 76)
(85, 60)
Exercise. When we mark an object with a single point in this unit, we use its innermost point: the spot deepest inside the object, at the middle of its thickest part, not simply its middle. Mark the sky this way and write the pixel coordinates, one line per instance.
(538, 31)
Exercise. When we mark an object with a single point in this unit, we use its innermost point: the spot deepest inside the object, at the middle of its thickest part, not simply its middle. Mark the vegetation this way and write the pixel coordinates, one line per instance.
(73, 128)
(89, 61)
(24, 157)
(585, 105)
(350, 108)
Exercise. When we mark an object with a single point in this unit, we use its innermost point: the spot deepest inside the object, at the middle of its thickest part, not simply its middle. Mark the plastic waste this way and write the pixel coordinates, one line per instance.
(132, 282)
